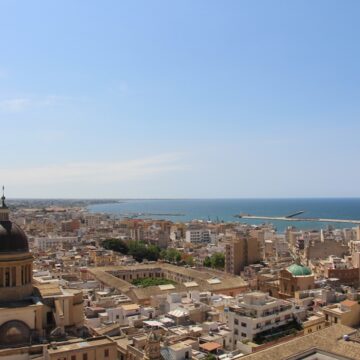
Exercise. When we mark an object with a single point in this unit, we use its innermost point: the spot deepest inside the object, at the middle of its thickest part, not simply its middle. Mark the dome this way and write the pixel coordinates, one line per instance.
(299, 270)
(12, 238)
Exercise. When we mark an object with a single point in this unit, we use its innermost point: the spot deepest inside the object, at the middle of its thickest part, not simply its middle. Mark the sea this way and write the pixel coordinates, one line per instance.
(218, 210)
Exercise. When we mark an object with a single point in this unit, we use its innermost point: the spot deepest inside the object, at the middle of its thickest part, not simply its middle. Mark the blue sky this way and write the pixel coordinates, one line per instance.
(180, 98)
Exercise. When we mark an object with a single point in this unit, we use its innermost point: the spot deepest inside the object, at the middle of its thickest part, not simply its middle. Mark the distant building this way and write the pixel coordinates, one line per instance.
(241, 251)
(45, 243)
(198, 235)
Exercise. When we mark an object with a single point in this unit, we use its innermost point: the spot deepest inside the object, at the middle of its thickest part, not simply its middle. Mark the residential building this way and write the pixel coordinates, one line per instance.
(255, 313)
(240, 251)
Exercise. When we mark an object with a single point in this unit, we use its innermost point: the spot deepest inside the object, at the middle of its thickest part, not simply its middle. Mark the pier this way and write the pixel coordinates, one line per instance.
(293, 217)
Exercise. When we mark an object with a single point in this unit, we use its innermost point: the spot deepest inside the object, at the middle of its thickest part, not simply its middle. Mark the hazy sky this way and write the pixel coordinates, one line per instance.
(180, 98)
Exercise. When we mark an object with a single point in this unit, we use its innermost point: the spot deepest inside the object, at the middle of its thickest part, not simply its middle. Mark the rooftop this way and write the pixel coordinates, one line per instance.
(329, 339)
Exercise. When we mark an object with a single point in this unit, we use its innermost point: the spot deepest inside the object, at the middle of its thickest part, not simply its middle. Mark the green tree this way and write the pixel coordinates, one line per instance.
(218, 260)
(116, 245)
(210, 357)
(207, 262)
(140, 251)
(189, 260)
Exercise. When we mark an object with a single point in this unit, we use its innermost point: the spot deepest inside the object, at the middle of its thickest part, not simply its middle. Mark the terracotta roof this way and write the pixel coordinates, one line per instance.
(349, 303)
(210, 346)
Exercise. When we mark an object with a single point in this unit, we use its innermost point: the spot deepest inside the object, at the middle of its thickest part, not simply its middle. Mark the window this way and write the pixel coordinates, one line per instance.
(85, 357)
(106, 353)
(7, 277)
(243, 334)
(13, 276)
(236, 321)
(236, 332)
(327, 317)
(335, 320)
(243, 324)
(49, 317)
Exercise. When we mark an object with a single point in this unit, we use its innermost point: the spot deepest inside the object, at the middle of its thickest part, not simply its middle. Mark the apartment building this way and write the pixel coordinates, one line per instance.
(197, 235)
(45, 243)
(255, 313)
(241, 251)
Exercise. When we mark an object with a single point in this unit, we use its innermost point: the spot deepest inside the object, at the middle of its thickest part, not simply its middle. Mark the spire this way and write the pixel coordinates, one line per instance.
(4, 210)
(3, 205)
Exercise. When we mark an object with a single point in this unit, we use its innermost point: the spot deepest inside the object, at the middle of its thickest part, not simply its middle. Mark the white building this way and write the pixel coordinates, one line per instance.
(45, 243)
(198, 235)
(257, 312)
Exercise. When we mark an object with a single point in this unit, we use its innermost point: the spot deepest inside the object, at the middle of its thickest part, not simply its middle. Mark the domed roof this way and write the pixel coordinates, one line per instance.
(299, 270)
(12, 238)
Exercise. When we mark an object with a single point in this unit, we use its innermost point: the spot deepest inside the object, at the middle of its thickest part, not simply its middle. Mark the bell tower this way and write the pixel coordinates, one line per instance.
(152, 348)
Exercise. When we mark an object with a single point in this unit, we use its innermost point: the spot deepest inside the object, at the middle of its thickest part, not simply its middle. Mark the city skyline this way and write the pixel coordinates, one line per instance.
(181, 100)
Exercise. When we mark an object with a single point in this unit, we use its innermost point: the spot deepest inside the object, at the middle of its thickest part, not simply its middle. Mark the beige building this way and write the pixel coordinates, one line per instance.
(185, 279)
(99, 348)
(346, 313)
(314, 323)
(241, 251)
(257, 313)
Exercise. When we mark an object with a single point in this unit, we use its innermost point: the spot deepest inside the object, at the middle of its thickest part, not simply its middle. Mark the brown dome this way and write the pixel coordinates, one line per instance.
(12, 238)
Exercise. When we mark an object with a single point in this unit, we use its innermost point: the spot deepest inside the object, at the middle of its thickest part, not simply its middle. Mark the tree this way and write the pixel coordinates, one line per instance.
(218, 261)
(140, 251)
(207, 262)
(117, 245)
(188, 259)
(210, 357)
(171, 255)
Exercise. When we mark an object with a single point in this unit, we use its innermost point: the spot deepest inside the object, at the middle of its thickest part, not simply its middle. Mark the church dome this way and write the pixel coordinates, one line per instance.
(12, 238)
(299, 270)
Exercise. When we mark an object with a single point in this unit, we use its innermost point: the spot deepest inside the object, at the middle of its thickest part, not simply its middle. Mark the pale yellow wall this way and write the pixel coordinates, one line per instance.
(25, 314)
(92, 354)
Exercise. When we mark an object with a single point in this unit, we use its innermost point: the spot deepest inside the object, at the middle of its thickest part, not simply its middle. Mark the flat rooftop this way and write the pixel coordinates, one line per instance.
(80, 345)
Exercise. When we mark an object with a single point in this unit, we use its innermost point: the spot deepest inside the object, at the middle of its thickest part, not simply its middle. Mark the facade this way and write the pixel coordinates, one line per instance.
(198, 235)
(255, 313)
(346, 313)
(241, 251)
(99, 348)
(314, 323)
(45, 243)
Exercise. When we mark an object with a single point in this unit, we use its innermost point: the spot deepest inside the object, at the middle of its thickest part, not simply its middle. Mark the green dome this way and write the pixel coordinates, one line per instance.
(299, 270)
